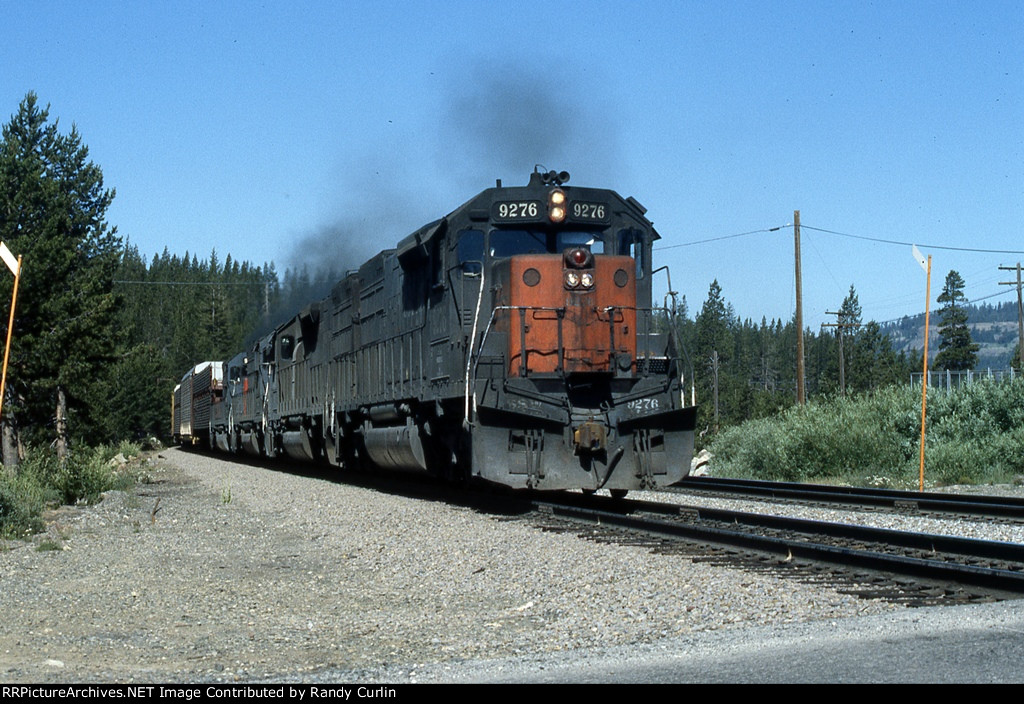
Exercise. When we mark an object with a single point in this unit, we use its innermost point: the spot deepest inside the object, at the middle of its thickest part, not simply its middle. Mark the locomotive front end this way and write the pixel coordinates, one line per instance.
(577, 313)
(573, 381)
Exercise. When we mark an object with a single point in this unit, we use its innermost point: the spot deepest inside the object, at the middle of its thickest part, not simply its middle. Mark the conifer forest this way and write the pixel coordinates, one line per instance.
(104, 331)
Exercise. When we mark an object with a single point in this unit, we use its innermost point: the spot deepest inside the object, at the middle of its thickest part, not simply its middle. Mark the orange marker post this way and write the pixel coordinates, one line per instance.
(924, 378)
(15, 266)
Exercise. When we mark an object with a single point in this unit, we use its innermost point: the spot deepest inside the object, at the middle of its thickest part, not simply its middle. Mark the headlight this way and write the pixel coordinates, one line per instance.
(587, 279)
(556, 205)
(572, 279)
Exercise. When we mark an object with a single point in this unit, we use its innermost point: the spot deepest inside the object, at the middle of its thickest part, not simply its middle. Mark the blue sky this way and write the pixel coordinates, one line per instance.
(300, 131)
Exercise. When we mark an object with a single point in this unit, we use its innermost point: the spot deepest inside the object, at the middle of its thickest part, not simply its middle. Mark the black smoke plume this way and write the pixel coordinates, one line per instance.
(504, 119)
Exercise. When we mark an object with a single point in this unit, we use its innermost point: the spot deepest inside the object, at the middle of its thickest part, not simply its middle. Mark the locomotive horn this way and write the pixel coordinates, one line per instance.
(555, 178)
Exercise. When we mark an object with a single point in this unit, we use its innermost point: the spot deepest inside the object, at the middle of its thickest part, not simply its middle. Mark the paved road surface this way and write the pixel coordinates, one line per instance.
(972, 644)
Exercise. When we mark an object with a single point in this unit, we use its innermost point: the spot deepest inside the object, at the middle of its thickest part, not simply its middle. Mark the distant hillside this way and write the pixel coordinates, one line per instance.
(994, 328)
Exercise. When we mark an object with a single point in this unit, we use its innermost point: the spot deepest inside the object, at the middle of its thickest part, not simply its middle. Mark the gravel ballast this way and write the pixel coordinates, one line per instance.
(224, 571)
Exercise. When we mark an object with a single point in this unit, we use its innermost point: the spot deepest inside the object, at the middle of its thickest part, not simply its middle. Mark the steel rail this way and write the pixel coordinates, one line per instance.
(975, 505)
(709, 526)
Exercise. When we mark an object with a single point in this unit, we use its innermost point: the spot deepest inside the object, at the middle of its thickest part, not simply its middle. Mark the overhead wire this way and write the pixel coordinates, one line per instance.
(723, 237)
(192, 283)
(911, 244)
(837, 233)
(881, 240)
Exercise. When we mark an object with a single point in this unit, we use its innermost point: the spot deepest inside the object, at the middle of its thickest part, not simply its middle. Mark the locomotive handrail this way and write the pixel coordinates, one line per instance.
(472, 337)
(473, 358)
(676, 339)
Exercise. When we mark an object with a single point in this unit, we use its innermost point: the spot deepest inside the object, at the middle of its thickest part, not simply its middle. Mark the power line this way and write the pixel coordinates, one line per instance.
(192, 283)
(991, 295)
(909, 244)
(724, 237)
(866, 238)
(970, 302)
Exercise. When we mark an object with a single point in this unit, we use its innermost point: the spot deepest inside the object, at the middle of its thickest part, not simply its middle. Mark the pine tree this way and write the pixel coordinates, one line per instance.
(713, 325)
(53, 212)
(956, 351)
(713, 353)
(875, 364)
(848, 332)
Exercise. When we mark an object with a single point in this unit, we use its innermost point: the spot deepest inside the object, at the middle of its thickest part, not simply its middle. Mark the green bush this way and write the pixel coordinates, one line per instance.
(22, 500)
(974, 435)
(41, 480)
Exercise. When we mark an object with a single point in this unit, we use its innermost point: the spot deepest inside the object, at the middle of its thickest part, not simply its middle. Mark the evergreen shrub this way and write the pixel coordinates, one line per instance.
(41, 481)
(975, 434)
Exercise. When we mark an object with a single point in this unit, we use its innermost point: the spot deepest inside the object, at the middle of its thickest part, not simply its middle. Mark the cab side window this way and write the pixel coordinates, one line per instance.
(470, 250)
(287, 347)
(631, 243)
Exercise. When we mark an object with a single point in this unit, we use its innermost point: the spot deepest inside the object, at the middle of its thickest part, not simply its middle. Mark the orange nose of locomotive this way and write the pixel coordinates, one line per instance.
(573, 312)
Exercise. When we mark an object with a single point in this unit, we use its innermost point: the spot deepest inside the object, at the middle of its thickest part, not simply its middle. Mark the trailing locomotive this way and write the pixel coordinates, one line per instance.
(513, 341)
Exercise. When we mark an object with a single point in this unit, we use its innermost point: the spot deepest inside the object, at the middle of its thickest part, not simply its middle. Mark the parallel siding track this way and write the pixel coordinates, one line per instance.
(934, 567)
(922, 503)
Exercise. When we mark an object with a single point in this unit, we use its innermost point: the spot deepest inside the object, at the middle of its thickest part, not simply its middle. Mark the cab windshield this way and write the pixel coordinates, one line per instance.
(507, 243)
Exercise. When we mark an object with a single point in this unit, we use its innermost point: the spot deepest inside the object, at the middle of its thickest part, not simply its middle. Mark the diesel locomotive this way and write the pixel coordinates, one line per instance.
(513, 341)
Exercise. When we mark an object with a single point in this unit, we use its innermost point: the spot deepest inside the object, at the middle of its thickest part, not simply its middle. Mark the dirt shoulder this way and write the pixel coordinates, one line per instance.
(222, 571)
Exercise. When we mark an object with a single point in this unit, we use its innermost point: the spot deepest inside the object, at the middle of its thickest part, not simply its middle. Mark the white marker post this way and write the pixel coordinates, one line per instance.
(15, 266)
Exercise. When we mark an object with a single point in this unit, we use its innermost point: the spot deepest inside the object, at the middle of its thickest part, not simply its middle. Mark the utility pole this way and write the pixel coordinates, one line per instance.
(841, 326)
(801, 397)
(1020, 310)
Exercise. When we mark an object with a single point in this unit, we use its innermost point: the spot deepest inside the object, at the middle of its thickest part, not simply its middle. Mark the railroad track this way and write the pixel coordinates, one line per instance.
(906, 567)
(994, 508)
(913, 568)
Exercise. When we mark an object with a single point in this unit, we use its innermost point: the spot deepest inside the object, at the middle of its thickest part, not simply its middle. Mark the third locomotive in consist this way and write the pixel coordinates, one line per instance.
(513, 340)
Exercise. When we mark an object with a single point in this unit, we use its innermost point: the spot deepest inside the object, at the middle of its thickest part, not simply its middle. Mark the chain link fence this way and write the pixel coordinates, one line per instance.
(948, 380)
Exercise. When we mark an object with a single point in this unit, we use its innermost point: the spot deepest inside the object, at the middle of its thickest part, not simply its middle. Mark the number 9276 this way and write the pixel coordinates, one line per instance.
(589, 211)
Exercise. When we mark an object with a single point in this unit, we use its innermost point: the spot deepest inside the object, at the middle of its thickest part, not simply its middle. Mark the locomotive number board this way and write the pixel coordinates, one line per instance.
(535, 210)
(589, 212)
(516, 210)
